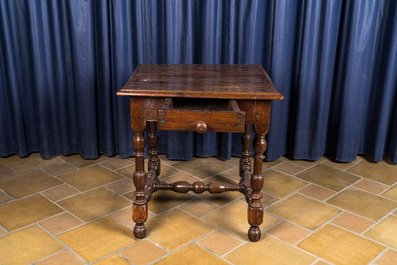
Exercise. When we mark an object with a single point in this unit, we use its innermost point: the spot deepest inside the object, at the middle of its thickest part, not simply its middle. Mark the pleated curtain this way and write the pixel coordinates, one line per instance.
(62, 62)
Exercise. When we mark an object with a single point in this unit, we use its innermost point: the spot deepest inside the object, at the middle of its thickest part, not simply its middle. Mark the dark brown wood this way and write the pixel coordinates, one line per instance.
(198, 187)
(245, 161)
(139, 209)
(214, 116)
(255, 208)
(201, 98)
(152, 105)
(227, 81)
(248, 107)
(153, 142)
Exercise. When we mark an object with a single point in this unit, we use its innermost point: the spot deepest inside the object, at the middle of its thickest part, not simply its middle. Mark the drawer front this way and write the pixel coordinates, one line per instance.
(200, 121)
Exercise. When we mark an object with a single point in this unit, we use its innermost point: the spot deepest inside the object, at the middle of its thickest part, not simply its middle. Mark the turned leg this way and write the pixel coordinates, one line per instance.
(245, 161)
(255, 208)
(153, 142)
(139, 208)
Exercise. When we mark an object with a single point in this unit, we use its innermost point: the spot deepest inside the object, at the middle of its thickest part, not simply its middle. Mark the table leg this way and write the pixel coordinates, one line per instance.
(255, 208)
(245, 161)
(153, 142)
(139, 208)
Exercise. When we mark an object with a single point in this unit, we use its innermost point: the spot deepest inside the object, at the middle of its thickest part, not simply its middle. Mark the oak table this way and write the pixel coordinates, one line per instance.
(201, 98)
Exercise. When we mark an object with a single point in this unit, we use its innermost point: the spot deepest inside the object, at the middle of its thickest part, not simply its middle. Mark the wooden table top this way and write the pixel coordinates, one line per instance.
(222, 81)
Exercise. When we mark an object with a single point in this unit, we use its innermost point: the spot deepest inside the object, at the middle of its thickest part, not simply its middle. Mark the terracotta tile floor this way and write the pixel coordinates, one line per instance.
(67, 210)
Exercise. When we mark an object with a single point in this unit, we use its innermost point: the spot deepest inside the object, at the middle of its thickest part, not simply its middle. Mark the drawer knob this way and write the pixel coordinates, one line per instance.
(201, 127)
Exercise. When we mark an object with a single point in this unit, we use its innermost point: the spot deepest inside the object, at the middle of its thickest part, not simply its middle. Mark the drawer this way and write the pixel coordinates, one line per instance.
(201, 115)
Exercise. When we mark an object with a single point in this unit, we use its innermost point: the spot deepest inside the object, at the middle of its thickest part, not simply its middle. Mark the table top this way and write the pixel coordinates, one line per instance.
(222, 81)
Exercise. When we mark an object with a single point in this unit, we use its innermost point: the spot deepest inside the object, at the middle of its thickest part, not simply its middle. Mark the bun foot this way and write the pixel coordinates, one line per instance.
(254, 234)
(139, 231)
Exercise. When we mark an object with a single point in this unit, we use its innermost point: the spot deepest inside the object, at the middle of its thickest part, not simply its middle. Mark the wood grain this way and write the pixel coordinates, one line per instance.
(227, 81)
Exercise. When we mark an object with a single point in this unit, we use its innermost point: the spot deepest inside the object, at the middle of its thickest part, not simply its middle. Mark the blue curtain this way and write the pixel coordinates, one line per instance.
(63, 61)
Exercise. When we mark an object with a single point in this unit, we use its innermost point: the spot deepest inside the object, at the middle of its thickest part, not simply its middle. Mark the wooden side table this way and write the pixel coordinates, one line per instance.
(201, 98)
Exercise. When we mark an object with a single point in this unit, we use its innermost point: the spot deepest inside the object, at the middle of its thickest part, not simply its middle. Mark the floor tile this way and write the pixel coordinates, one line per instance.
(391, 193)
(281, 185)
(192, 254)
(233, 219)
(174, 228)
(303, 163)
(352, 222)
(90, 177)
(232, 173)
(165, 160)
(60, 192)
(387, 161)
(288, 232)
(387, 258)
(203, 167)
(182, 176)
(339, 246)
(60, 168)
(385, 232)
(2, 231)
(164, 200)
(63, 258)
(95, 203)
(289, 168)
(321, 262)
(4, 197)
(113, 260)
(143, 252)
(304, 211)
(6, 172)
(127, 171)
(60, 223)
(363, 203)
(115, 163)
(77, 161)
(26, 164)
(340, 165)
(122, 186)
(370, 186)
(98, 239)
(266, 200)
(317, 192)
(29, 183)
(376, 171)
(167, 171)
(219, 242)
(270, 164)
(19, 213)
(221, 218)
(125, 216)
(235, 161)
(26, 246)
(268, 251)
(198, 207)
(328, 177)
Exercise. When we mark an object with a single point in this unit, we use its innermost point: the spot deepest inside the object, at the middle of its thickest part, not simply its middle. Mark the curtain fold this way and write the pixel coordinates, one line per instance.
(335, 62)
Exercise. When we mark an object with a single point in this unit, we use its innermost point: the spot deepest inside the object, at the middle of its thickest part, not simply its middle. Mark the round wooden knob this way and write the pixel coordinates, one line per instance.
(201, 127)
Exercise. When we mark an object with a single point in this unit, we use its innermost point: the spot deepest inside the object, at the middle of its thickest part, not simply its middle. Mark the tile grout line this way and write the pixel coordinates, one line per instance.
(66, 247)
(330, 221)
(294, 246)
(219, 207)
